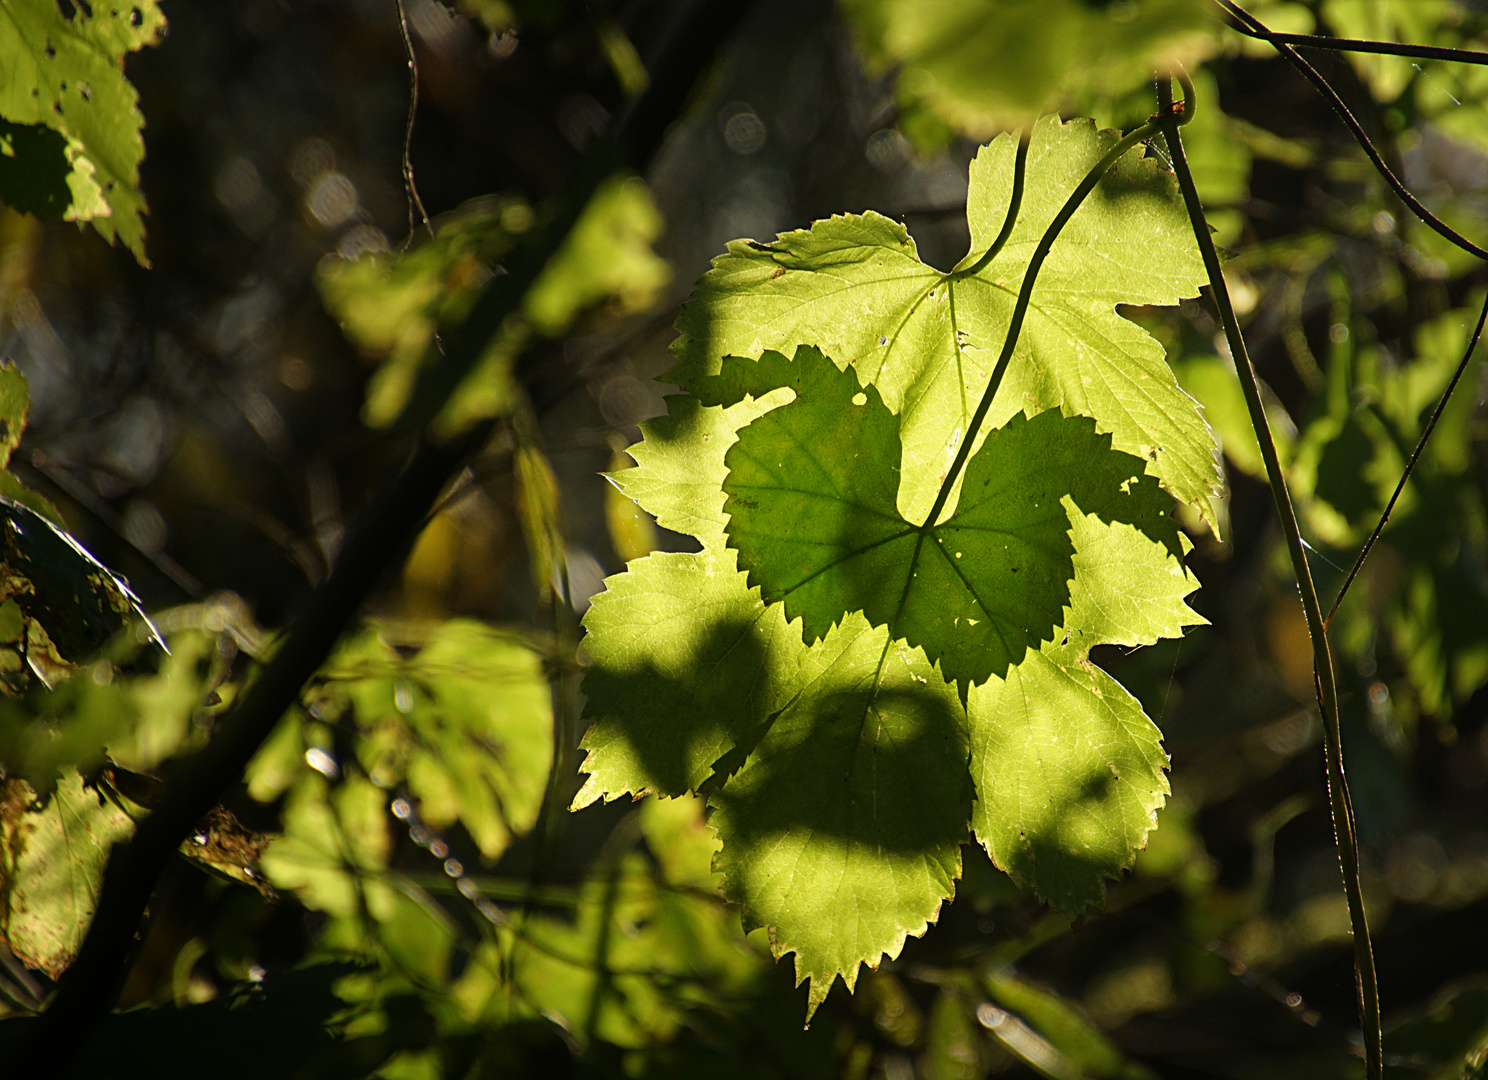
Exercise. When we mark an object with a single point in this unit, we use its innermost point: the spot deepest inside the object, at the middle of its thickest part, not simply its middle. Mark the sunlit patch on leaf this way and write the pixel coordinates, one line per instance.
(842, 832)
(1069, 774)
(856, 289)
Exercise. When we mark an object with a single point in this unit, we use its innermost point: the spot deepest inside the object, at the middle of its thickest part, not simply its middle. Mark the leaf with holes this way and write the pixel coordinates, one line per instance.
(52, 855)
(66, 74)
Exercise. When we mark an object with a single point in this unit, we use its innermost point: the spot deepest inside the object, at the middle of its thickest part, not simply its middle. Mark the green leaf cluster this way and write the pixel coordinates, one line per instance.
(1427, 583)
(855, 685)
(463, 724)
(392, 305)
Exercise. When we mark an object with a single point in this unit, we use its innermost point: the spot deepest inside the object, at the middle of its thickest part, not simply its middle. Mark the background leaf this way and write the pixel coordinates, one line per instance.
(1047, 52)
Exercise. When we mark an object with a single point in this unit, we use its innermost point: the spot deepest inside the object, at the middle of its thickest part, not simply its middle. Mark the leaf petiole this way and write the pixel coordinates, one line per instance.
(1015, 202)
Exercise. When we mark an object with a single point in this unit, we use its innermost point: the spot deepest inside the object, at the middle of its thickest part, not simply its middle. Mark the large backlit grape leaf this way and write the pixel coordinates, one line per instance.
(696, 683)
(1046, 51)
(65, 71)
(793, 468)
(811, 493)
(855, 287)
(691, 672)
(52, 856)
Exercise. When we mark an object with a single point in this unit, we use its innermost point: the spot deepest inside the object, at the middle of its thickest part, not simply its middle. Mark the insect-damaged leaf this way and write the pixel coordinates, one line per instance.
(66, 74)
(52, 856)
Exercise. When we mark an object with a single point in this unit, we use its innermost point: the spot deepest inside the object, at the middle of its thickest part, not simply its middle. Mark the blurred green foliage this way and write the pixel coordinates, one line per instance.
(397, 890)
(392, 305)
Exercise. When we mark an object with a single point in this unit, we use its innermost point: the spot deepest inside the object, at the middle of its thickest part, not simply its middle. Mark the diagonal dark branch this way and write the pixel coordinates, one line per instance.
(90, 986)
(1410, 466)
(1260, 30)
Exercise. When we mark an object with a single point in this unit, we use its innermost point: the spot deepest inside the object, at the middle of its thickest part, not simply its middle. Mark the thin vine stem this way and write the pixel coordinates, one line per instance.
(1015, 203)
(1386, 48)
(1441, 228)
(1327, 688)
(1025, 295)
(1410, 466)
(414, 199)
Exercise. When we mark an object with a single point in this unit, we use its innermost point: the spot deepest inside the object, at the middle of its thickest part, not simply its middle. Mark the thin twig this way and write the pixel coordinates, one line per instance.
(414, 201)
(636, 138)
(1387, 48)
(1299, 62)
(1410, 466)
(1327, 690)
